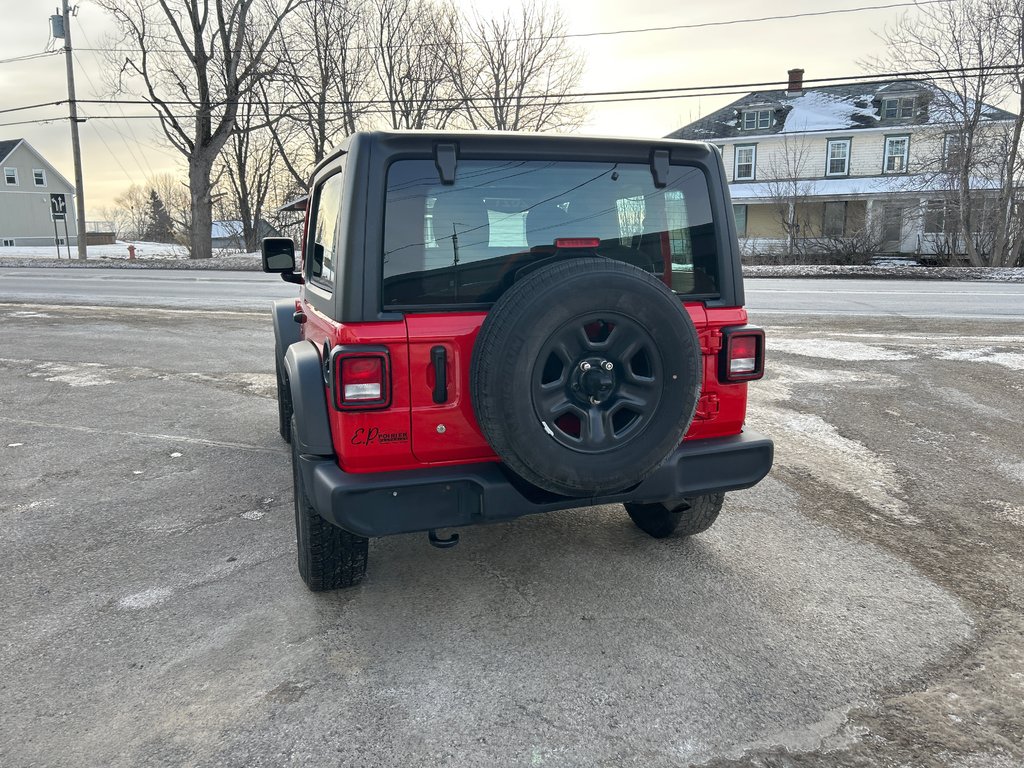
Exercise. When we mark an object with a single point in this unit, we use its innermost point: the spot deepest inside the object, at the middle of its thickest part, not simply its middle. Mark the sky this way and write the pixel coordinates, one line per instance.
(118, 153)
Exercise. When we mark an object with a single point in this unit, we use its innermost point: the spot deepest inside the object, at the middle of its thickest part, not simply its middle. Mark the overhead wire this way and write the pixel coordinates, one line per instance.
(613, 32)
(592, 97)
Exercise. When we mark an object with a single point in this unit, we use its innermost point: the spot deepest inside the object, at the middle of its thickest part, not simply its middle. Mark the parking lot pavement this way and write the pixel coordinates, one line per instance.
(862, 606)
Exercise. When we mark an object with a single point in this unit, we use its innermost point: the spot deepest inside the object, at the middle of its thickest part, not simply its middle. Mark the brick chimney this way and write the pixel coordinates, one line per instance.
(796, 81)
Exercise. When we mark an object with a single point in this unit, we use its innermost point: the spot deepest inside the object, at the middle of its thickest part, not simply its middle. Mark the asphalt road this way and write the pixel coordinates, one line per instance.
(863, 606)
(887, 298)
(254, 290)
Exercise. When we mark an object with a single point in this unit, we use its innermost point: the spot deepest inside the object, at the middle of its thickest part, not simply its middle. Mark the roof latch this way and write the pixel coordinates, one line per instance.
(445, 159)
(659, 167)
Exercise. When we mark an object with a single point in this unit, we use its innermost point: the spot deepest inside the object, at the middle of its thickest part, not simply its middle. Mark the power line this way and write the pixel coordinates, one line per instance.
(590, 97)
(604, 33)
(731, 22)
(594, 97)
(30, 56)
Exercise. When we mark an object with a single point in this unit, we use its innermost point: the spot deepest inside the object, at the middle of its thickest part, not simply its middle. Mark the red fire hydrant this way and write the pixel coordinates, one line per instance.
(131, 252)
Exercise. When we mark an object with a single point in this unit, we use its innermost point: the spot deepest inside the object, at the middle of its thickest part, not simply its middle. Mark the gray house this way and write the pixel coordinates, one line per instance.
(228, 234)
(26, 212)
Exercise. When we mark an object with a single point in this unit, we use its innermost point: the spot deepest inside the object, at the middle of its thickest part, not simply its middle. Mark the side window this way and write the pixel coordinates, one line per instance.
(323, 239)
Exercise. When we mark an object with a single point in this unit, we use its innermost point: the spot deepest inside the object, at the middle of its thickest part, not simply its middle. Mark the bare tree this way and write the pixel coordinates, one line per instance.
(174, 192)
(130, 212)
(248, 167)
(981, 172)
(324, 82)
(786, 179)
(411, 40)
(194, 61)
(515, 71)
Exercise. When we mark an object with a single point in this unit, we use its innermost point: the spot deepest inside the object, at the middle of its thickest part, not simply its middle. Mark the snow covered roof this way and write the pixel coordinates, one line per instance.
(847, 107)
(854, 186)
(226, 229)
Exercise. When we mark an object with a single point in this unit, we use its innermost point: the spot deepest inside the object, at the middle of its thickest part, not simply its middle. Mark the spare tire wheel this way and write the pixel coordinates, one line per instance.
(585, 376)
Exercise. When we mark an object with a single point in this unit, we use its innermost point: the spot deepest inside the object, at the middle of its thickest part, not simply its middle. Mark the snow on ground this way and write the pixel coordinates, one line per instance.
(807, 443)
(905, 272)
(1012, 360)
(835, 350)
(162, 255)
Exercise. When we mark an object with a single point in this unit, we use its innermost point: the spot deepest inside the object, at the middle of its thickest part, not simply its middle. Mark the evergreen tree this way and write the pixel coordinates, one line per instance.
(160, 228)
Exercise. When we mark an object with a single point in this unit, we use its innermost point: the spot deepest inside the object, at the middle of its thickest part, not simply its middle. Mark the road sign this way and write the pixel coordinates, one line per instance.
(58, 206)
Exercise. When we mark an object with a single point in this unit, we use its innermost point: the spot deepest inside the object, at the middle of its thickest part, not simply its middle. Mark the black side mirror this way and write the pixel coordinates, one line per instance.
(279, 258)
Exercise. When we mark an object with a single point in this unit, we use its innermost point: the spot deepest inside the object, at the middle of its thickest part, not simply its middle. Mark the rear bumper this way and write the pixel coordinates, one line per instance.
(386, 503)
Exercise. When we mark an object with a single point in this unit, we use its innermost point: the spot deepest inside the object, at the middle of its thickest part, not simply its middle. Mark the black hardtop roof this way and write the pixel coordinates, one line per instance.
(517, 140)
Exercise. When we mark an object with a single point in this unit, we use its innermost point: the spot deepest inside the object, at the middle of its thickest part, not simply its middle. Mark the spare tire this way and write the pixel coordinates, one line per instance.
(585, 376)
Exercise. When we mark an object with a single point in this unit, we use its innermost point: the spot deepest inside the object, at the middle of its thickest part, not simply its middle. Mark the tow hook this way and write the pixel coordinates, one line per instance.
(437, 541)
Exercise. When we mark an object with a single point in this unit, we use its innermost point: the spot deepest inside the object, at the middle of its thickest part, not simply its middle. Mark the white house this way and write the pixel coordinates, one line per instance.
(26, 210)
(861, 160)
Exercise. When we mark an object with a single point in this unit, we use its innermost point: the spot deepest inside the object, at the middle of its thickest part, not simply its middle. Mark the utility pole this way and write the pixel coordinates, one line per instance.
(76, 146)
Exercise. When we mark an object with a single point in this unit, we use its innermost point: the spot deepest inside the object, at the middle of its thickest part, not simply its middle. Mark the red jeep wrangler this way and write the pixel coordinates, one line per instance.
(492, 325)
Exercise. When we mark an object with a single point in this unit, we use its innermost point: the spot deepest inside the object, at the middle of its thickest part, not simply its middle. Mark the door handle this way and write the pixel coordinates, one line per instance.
(439, 359)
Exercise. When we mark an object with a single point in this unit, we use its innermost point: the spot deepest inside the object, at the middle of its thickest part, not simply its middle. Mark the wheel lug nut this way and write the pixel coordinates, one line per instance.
(584, 366)
(607, 365)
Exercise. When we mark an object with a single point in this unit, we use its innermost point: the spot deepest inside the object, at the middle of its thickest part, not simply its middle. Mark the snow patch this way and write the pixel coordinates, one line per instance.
(145, 599)
(816, 111)
(809, 444)
(835, 350)
(1012, 360)
(1005, 511)
(254, 514)
(27, 313)
(74, 375)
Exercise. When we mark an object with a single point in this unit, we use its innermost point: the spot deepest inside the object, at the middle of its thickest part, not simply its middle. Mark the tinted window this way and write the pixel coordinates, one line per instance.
(466, 243)
(324, 231)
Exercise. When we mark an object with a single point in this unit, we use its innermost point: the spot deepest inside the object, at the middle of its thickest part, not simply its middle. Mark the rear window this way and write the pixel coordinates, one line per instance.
(466, 243)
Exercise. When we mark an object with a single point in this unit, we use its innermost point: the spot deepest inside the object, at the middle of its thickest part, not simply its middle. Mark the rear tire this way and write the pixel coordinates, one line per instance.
(685, 518)
(329, 557)
(284, 402)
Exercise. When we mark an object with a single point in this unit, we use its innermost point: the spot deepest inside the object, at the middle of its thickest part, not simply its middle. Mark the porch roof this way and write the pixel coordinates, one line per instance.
(849, 187)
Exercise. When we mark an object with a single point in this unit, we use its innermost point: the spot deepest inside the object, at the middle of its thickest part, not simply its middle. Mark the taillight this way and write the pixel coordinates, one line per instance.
(359, 378)
(742, 355)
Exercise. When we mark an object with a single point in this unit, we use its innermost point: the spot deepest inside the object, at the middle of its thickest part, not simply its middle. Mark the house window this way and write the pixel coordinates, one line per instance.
(739, 212)
(39, 177)
(901, 107)
(757, 118)
(896, 150)
(953, 150)
(833, 222)
(838, 157)
(11, 176)
(934, 217)
(8, 243)
(746, 160)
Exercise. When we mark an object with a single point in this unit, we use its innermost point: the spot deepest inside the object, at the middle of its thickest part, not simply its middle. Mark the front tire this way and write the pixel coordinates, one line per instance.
(329, 557)
(685, 518)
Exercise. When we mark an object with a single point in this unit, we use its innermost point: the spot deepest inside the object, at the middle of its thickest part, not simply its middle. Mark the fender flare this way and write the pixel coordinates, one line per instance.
(309, 401)
(286, 330)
